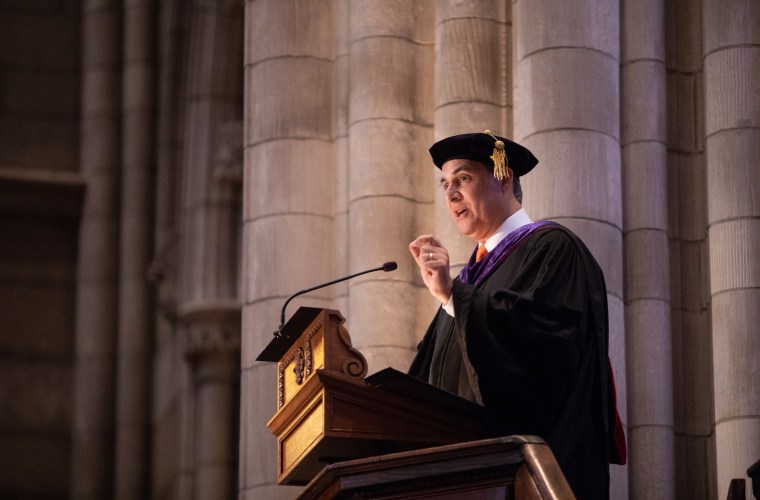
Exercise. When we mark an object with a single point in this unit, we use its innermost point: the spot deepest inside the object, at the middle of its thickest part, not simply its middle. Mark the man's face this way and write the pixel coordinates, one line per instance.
(476, 200)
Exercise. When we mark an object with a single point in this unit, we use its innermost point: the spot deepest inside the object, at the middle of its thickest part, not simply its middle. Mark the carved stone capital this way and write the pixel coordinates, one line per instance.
(210, 329)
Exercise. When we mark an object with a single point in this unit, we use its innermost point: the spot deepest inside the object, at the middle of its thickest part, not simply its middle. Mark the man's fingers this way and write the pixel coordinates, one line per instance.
(415, 247)
(433, 260)
(425, 239)
(425, 247)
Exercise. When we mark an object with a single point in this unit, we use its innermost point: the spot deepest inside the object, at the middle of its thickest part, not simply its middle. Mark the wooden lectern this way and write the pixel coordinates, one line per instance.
(329, 413)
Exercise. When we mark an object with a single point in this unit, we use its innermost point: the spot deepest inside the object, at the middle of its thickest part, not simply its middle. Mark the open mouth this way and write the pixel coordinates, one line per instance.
(460, 213)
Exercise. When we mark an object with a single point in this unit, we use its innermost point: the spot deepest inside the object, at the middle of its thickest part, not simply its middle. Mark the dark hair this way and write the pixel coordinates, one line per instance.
(516, 188)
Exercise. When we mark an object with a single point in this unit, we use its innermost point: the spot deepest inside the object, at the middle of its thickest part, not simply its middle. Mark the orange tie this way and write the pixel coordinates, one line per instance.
(482, 251)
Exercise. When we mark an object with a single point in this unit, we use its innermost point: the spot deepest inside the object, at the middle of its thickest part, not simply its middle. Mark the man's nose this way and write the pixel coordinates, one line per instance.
(452, 193)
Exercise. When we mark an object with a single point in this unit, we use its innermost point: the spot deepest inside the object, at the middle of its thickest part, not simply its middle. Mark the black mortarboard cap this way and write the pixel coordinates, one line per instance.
(493, 151)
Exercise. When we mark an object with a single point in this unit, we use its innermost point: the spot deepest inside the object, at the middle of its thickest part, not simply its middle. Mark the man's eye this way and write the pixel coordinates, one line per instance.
(464, 179)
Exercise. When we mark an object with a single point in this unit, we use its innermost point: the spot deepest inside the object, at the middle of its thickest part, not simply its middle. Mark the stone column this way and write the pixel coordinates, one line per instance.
(212, 345)
(567, 112)
(172, 466)
(288, 198)
(135, 312)
(732, 146)
(473, 90)
(96, 315)
(209, 256)
(209, 303)
(690, 280)
(390, 101)
(647, 274)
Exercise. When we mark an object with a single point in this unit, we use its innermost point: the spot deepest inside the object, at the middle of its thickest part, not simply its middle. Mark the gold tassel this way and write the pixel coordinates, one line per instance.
(499, 158)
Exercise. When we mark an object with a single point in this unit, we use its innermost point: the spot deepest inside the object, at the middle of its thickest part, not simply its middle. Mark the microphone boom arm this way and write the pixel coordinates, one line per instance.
(388, 266)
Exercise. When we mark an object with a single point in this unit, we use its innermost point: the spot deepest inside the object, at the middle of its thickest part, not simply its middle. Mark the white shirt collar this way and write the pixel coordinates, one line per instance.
(514, 221)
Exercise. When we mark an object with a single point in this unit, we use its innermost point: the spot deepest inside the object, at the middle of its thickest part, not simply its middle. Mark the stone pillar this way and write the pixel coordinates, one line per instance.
(288, 201)
(732, 146)
(172, 466)
(567, 112)
(209, 305)
(209, 256)
(390, 101)
(96, 315)
(647, 274)
(212, 345)
(690, 280)
(135, 312)
(473, 90)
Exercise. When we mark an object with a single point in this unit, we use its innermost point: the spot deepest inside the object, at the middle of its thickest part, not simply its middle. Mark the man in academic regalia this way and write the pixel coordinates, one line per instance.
(523, 329)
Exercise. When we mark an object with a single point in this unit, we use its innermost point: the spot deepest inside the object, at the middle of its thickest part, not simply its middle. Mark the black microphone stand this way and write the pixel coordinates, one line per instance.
(388, 266)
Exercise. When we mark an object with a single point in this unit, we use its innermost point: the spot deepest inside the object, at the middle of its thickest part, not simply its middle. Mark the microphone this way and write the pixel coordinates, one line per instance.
(387, 267)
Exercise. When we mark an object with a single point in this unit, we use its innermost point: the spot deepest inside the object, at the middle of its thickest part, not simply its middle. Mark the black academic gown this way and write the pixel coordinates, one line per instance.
(530, 343)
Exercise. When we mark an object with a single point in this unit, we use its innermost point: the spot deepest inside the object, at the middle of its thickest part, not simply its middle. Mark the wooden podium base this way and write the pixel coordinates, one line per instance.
(512, 467)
